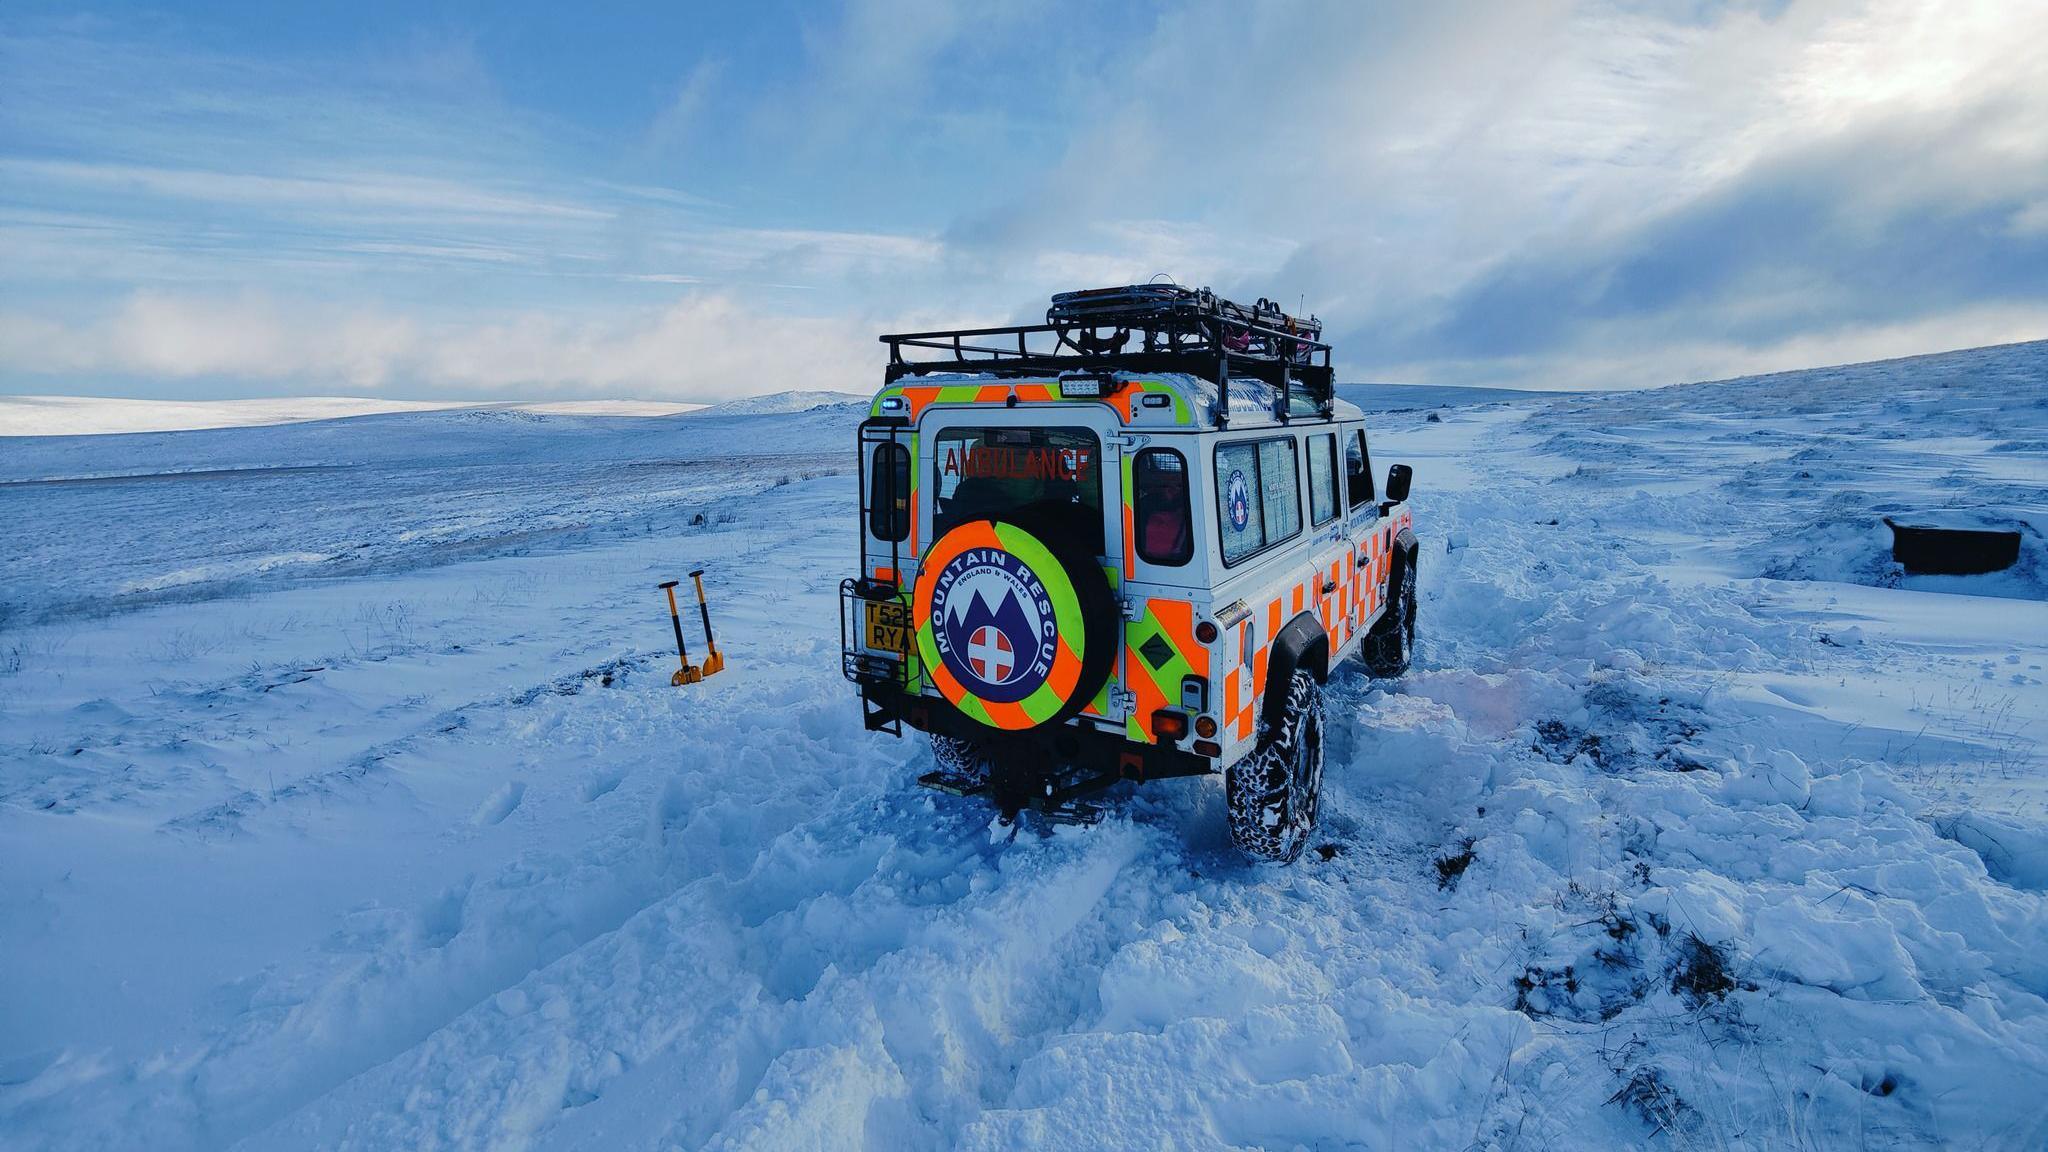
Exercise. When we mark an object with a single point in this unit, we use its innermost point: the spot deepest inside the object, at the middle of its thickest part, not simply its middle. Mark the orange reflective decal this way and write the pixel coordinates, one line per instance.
(1177, 619)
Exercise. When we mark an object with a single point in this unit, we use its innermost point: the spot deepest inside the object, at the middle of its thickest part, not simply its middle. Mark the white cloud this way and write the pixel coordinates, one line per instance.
(705, 347)
(357, 191)
(1674, 355)
(1504, 193)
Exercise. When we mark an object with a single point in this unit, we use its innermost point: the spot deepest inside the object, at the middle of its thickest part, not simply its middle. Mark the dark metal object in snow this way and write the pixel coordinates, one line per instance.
(1932, 551)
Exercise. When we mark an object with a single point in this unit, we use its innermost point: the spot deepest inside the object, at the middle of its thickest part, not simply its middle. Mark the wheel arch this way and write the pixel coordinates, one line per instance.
(1406, 550)
(1301, 643)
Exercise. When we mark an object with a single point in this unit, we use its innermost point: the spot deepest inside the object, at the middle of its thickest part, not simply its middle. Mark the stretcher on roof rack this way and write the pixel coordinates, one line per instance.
(1139, 328)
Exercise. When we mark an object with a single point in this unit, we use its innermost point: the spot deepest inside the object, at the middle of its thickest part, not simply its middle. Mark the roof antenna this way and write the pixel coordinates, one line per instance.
(1158, 276)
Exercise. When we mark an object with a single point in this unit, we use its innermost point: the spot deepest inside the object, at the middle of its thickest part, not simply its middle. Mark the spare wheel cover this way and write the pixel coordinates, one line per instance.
(1000, 625)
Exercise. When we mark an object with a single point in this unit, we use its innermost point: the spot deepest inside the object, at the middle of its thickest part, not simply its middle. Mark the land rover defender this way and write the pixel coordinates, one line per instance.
(1129, 543)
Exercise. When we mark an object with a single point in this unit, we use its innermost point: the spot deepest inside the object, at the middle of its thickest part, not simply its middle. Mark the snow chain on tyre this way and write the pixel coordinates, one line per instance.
(1014, 624)
(1272, 796)
(1390, 645)
(963, 760)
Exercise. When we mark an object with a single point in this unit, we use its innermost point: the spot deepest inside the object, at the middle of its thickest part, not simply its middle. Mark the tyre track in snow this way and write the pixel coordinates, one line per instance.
(840, 854)
(324, 779)
(456, 959)
(417, 969)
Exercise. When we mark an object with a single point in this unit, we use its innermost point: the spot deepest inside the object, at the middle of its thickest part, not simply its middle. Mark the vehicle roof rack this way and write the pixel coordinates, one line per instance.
(1141, 328)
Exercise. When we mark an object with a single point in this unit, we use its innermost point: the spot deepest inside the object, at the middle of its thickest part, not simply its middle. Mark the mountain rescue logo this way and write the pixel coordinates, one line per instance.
(993, 623)
(1238, 498)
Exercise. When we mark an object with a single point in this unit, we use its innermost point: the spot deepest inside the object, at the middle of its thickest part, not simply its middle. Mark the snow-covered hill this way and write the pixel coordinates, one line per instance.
(783, 403)
(344, 803)
(102, 415)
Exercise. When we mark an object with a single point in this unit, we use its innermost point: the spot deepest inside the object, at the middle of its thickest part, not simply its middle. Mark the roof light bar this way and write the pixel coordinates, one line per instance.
(1088, 387)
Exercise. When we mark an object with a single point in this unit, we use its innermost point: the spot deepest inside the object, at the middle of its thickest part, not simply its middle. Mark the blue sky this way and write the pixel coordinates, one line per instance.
(697, 201)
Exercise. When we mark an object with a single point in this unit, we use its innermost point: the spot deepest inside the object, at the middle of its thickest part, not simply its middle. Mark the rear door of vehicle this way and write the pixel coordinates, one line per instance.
(1166, 543)
(983, 460)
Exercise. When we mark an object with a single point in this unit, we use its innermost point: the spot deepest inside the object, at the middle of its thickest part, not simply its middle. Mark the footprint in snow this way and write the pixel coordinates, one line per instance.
(602, 783)
(500, 803)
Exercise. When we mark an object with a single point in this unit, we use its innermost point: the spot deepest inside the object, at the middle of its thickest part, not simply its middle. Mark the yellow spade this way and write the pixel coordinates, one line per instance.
(692, 673)
(713, 663)
(689, 673)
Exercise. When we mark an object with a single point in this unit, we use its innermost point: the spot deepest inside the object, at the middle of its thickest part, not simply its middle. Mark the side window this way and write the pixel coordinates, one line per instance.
(1237, 501)
(1160, 513)
(889, 492)
(1258, 495)
(1280, 489)
(1357, 469)
(1322, 479)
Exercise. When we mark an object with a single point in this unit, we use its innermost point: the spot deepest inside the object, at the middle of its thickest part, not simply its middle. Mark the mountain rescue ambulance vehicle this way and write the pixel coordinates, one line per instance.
(1129, 543)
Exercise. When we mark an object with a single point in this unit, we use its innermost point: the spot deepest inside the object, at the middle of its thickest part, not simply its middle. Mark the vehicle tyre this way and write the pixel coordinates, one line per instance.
(1390, 644)
(963, 760)
(1274, 794)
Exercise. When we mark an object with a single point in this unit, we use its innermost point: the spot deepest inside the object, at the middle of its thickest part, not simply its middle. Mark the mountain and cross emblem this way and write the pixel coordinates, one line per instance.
(989, 615)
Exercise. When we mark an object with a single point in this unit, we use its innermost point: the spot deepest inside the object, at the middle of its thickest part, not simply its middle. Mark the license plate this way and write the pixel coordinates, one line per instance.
(888, 626)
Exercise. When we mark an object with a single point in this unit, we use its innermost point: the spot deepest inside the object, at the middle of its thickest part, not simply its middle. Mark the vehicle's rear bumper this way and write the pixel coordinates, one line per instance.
(1066, 745)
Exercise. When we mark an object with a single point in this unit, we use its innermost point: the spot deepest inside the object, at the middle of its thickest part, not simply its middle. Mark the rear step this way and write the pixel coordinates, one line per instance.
(1055, 809)
(953, 783)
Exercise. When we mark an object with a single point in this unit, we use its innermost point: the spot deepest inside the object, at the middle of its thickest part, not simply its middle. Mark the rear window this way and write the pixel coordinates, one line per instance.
(1160, 512)
(984, 472)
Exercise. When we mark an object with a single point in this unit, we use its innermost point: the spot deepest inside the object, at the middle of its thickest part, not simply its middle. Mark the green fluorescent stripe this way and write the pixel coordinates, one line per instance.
(959, 393)
(1115, 574)
(1180, 404)
(972, 706)
(913, 672)
(1040, 705)
(927, 644)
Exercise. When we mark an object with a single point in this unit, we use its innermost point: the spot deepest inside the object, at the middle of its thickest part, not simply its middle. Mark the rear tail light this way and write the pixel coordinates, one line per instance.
(1205, 726)
(1169, 726)
(1208, 748)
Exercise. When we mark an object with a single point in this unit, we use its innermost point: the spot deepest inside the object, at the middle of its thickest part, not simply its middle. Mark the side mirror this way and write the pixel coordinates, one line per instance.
(1398, 478)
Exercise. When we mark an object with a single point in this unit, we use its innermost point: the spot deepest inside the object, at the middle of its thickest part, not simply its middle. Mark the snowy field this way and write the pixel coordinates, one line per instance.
(345, 803)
